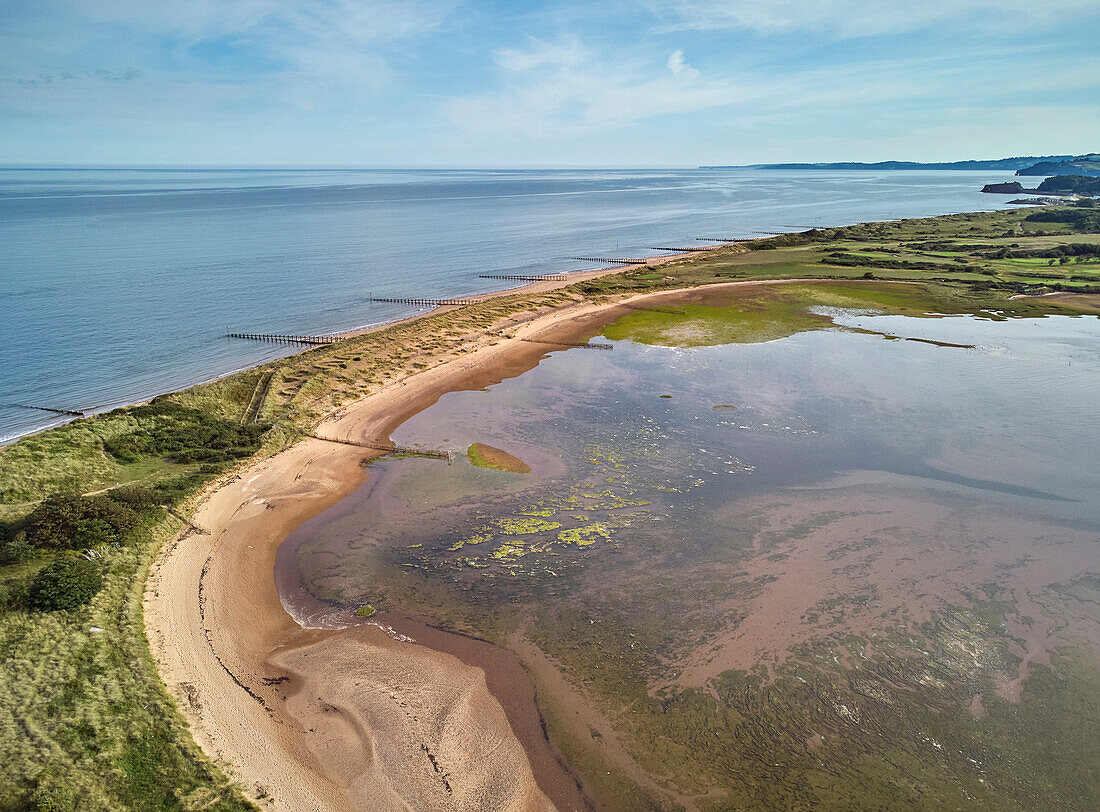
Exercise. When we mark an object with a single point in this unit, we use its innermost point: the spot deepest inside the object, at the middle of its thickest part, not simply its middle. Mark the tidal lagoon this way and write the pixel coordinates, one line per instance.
(846, 566)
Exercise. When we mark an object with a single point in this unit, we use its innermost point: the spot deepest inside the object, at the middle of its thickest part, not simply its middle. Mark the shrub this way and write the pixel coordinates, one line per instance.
(64, 584)
(68, 520)
(16, 549)
(1082, 219)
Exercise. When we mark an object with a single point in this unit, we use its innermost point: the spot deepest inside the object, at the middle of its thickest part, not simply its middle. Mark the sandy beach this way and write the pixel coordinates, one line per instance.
(351, 719)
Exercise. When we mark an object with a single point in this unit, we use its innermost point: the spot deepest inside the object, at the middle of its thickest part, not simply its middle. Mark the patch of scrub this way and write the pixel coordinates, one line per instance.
(486, 456)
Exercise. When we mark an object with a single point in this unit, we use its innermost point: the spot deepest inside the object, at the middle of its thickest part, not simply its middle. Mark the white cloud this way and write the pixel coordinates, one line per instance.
(544, 98)
(679, 67)
(566, 51)
(857, 17)
(338, 43)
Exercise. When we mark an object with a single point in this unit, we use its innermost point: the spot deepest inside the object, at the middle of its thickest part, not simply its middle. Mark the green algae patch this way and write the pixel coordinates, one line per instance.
(583, 536)
(477, 538)
(485, 456)
(525, 526)
(365, 611)
(507, 551)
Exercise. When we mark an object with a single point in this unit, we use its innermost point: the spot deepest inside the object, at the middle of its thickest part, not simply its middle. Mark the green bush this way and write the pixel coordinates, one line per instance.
(72, 521)
(1081, 219)
(16, 549)
(64, 584)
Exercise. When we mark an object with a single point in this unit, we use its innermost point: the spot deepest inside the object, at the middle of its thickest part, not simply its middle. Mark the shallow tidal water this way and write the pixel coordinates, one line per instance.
(650, 440)
(835, 512)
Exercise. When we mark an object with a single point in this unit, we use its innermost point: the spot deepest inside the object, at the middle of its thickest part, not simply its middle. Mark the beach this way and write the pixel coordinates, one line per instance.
(351, 719)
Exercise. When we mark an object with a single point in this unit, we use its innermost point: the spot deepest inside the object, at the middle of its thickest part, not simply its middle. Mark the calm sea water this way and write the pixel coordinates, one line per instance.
(116, 285)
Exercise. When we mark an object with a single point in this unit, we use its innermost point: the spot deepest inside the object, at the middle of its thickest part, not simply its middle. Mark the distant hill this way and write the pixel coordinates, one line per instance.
(1088, 165)
(1070, 184)
(1057, 185)
(1004, 164)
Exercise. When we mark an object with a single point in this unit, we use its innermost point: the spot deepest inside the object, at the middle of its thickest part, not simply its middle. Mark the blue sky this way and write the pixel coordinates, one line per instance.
(481, 83)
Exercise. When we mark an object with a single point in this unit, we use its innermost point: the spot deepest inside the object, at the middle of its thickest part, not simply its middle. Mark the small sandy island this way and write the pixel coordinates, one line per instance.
(486, 456)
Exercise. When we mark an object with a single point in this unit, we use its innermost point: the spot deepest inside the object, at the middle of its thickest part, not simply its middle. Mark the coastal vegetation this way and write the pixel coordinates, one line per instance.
(1069, 165)
(1070, 184)
(85, 721)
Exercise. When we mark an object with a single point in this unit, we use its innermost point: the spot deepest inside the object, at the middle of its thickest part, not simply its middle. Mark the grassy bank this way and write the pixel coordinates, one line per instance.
(85, 722)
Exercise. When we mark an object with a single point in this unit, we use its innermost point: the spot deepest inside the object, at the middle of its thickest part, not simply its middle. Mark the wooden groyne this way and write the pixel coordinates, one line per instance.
(721, 239)
(550, 277)
(186, 521)
(284, 339)
(679, 250)
(389, 448)
(570, 344)
(422, 302)
(71, 412)
(613, 260)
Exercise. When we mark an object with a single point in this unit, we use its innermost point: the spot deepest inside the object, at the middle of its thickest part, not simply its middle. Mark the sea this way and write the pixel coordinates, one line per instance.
(120, 284)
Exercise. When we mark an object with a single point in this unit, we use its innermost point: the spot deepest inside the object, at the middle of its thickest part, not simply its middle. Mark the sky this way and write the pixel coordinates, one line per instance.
(578, 83)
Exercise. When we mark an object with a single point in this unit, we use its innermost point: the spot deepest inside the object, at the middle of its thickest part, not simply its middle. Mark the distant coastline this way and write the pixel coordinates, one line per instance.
(1021, 165)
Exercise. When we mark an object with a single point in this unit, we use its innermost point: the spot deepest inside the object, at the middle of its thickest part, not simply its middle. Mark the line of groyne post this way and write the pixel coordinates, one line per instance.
(70, 412)
(550, 277)
(689, 250)
(614, 260)
(421, 301)
(390, 448)
(284, 339)
(578, 345)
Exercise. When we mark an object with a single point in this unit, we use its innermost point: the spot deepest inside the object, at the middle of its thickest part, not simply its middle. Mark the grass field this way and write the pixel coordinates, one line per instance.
(85, 722)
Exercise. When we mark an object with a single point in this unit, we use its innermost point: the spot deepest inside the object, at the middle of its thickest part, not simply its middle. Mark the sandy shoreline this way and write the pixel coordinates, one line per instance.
(309, 719)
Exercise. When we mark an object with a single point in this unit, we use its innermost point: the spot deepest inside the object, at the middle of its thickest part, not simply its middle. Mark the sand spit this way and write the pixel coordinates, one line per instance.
(343, 720)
